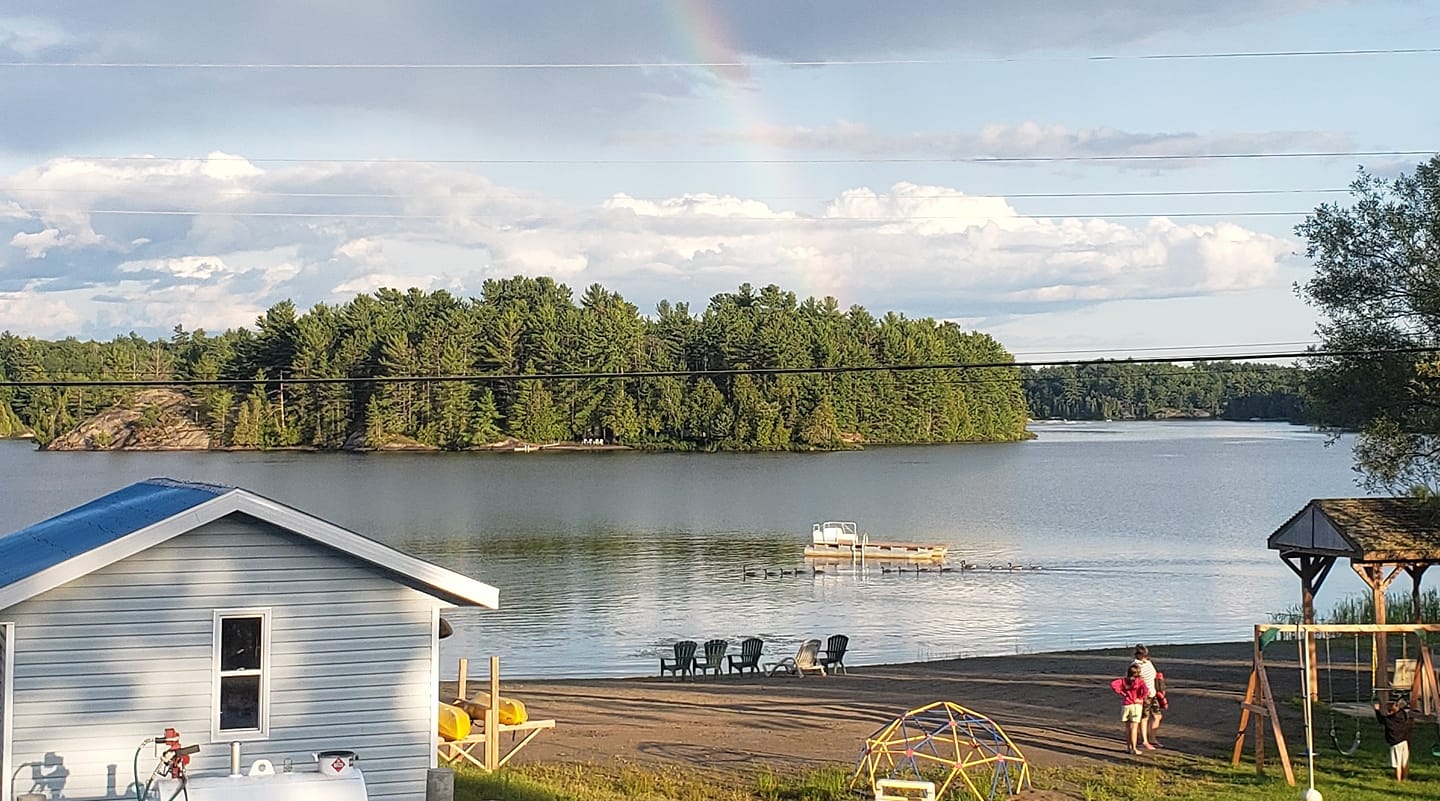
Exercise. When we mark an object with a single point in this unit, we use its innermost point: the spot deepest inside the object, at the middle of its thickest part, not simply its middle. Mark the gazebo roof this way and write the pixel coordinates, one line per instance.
(1363, 530)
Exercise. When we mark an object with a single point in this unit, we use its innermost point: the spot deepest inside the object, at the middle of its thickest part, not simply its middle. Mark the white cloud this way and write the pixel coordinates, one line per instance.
(30, 36)
(199, 268)
(35, 245)
(1027, 140)
(928, 250)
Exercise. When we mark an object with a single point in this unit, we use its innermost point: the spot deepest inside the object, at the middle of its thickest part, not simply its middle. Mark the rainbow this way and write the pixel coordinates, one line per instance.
(705, 37)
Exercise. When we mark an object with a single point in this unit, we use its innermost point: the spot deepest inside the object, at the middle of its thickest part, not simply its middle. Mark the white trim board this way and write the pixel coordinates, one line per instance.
(445, 585)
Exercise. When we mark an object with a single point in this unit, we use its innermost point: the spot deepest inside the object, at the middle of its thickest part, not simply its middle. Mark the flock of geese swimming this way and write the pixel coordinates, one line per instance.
(909, 567)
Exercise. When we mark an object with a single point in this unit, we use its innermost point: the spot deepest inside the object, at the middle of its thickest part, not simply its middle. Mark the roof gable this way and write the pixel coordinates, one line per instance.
(52, 552)
(1363, 529)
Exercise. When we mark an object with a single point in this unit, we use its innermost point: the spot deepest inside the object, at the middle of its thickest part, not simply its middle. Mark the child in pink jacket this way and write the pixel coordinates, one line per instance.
(1132, 691)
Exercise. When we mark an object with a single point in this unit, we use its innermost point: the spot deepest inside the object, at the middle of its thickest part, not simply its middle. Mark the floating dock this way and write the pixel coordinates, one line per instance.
(842, 540)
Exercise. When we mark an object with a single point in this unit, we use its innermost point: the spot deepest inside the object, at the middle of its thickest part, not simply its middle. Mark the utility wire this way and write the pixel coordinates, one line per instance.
(460, 215)
(795, 162)
(688, 195)
(751, 371)
(746, 64)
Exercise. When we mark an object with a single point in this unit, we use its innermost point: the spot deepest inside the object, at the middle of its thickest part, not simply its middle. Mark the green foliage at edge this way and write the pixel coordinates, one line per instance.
(1377, 264)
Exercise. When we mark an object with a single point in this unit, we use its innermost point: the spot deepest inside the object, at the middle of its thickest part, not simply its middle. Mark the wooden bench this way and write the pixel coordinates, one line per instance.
(471, 748)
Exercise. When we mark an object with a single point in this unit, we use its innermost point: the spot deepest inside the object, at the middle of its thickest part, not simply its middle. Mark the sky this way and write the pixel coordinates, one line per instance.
(1025, 168)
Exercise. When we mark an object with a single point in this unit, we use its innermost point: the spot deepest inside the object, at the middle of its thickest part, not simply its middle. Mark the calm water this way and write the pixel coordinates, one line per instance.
(1145, 531)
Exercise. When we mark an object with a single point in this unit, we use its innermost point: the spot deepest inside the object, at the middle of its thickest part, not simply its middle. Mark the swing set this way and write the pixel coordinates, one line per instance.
(1413, 679)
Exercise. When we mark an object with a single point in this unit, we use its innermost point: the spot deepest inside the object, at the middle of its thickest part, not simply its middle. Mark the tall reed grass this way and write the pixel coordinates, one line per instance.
(1359, 608)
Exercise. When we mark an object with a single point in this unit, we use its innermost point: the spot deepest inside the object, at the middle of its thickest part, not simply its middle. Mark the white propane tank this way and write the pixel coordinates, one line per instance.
(262, 786)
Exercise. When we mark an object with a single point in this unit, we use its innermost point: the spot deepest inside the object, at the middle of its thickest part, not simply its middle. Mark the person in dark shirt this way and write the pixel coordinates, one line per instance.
(1398, 723)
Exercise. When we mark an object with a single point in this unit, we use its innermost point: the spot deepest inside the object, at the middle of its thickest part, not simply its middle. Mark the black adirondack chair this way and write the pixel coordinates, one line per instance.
(712, 659)
(749, 657)
(833, 657)
(683, 663)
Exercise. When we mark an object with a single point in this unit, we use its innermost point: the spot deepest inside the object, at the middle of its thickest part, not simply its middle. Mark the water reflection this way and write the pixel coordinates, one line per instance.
(1146, 531)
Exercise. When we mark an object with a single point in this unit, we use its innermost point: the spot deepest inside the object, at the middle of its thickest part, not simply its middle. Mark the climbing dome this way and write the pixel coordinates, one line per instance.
(962, 752)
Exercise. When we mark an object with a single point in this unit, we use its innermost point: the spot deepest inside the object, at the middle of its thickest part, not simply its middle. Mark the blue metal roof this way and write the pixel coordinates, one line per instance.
(104, 520)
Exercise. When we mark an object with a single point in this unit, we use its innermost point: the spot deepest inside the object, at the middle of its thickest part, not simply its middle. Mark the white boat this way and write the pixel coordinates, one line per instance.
(843, 540)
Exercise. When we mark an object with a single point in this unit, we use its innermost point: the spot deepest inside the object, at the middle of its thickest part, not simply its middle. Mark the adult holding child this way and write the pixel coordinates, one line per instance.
(1155, 701)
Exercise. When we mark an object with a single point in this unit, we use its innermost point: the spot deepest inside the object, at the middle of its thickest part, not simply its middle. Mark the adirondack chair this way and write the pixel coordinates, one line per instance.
(749, 658)
(713, 657)
(833, 657)
(682, 663)
(804, 661)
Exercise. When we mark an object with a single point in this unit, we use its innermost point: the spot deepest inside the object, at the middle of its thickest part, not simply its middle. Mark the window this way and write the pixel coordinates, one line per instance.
(242, 680)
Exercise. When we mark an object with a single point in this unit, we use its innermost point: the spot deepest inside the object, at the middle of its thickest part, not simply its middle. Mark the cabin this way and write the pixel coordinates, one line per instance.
(227, 616)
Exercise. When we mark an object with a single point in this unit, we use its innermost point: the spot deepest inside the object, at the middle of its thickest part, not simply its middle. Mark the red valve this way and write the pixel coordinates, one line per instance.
(176, 756)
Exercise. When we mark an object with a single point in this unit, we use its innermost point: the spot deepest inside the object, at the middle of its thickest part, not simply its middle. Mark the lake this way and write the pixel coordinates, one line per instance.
(1145, 531)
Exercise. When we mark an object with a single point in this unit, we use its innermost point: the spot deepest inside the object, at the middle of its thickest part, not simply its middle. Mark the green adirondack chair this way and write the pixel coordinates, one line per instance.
(713, 657)
(683, 663)
(748, 658)
(833, 657)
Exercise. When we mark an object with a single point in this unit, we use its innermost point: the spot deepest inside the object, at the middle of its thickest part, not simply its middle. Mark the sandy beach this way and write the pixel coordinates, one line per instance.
(1057, 707)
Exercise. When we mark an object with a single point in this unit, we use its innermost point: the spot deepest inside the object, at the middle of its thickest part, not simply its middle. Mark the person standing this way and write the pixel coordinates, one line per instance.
(1153, 713)
(1132, 692)
(1398, 723)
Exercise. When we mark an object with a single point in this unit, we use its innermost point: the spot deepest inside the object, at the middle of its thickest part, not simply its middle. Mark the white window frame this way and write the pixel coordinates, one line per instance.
(230, 735)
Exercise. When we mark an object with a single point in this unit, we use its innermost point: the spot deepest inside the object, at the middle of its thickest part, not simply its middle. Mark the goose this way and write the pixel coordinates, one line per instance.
(771, 573)
(1014, 566)
(947, 569)
(994, 566)
(968, 565)
(748, 572)
(885, 569)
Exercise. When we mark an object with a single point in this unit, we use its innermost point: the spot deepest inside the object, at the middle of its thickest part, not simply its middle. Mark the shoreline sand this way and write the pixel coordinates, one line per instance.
(1057, 707)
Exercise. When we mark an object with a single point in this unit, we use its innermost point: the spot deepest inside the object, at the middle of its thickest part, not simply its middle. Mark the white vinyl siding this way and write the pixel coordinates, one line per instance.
(117, 655)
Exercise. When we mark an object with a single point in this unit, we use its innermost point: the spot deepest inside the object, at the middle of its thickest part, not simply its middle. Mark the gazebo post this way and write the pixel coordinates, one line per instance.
(1312, 571)
(1375, 576)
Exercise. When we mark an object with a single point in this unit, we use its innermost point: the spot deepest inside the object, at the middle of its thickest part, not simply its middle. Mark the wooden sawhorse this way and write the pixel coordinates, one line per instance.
(457, 751)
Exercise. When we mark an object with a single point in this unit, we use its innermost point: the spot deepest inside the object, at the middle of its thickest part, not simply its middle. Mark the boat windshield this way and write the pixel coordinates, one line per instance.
(834, 533)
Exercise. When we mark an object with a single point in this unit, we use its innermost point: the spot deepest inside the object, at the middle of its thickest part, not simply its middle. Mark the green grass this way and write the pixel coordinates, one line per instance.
(1166, 775)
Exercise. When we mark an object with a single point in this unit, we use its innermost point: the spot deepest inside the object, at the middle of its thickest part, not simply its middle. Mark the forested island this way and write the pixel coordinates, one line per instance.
(428, 370)
(516, 328)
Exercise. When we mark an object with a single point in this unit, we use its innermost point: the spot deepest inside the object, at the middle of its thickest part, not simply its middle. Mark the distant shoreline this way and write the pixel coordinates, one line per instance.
(511, 445)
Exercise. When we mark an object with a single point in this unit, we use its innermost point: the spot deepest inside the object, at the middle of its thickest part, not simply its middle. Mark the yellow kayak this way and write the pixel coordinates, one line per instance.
(454, 723)
(510, 712)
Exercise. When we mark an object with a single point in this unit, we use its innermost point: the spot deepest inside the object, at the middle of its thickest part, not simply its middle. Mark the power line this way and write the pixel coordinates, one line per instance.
(759, 63)
(659, 217)
(519, 196)
(751, 371)
(792, 162)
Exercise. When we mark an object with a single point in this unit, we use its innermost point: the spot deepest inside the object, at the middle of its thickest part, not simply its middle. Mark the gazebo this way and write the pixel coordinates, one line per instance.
(1381, 537)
